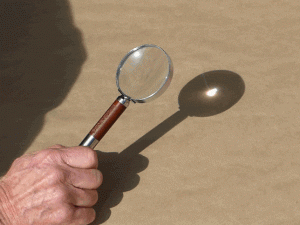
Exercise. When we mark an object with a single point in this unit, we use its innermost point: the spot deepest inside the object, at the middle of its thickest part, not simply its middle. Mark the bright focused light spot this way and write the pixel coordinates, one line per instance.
(212, 92)
(136, 54)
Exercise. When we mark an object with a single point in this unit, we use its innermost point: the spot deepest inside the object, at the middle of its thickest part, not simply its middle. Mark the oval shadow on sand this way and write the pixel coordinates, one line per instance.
(120, 170)
(195, 100)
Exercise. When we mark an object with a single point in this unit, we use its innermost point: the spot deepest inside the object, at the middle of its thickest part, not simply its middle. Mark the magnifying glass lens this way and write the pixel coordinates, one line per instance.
(143, 72)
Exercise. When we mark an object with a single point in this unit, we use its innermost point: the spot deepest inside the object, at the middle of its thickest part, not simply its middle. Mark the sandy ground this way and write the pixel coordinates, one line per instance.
(186, 158)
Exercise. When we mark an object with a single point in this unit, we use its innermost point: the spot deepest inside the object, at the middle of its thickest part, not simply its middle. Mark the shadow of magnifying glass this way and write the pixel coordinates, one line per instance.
(206, 95)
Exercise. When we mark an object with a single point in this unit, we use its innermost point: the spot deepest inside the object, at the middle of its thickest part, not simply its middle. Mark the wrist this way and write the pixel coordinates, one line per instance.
(4, 207)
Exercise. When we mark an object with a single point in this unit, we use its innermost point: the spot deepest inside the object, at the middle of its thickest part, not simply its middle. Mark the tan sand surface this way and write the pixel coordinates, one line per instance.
(230, 159)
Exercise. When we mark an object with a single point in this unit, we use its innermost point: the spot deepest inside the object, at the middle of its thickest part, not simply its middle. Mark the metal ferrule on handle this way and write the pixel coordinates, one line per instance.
(89, 141)
(106, 122)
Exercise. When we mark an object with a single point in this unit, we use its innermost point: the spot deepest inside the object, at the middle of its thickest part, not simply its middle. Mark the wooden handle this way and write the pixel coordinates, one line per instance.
(107, 120)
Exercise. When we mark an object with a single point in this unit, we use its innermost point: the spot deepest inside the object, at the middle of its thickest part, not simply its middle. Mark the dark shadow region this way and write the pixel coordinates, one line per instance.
(41, 54)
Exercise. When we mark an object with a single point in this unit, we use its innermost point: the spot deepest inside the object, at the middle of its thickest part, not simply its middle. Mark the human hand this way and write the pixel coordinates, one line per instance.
(52, 186)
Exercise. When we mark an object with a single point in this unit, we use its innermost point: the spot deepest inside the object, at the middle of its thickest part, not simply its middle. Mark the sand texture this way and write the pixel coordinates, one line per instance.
(185, 158)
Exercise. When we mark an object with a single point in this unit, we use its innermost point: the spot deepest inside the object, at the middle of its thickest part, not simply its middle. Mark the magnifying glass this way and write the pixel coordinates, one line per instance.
(143, 75)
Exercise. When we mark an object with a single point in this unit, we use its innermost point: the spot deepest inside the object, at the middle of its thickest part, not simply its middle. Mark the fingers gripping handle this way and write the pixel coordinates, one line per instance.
(106, 122)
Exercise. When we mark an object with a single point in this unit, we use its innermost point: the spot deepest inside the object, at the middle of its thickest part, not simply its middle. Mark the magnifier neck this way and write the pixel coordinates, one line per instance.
(124, 100)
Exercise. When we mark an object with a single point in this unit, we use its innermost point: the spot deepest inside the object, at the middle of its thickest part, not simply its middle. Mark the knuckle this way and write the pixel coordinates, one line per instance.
(61, 194)
(55, 176)
(65, 214)
(46, 154)
(50, 156)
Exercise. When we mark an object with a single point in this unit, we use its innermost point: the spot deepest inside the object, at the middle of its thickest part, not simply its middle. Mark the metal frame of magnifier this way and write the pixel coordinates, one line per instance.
(122, 102)
(163, 87)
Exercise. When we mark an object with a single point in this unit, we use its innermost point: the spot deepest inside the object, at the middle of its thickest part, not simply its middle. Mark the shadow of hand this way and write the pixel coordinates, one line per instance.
(120, 174)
